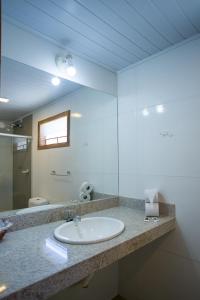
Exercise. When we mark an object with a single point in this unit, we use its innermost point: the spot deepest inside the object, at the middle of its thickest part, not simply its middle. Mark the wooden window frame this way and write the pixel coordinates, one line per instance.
(59, 145)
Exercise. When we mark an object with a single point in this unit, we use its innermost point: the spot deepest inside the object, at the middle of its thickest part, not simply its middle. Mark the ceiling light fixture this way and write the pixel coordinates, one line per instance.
(4, 100)
(55, 81)
(66, 64)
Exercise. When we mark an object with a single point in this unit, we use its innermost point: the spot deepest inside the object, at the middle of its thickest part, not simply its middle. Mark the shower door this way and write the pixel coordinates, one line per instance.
(15, 165)
(22, 164)
(15, 172)
(6, 178)
(21, 172)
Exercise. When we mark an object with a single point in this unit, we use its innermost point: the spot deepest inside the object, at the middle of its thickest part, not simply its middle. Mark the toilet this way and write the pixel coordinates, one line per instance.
(37, 201)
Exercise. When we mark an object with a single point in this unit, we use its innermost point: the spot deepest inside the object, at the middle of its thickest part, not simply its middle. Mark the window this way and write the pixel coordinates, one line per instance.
(54, 132)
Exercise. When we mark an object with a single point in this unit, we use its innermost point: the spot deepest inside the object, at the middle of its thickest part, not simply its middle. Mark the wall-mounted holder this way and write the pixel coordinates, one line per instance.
(166, 133)
(54, 173)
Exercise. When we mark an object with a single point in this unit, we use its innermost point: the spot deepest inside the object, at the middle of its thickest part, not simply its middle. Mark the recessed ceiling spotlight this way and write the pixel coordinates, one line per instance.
(4, 100)
(55, 81)
(66, 65)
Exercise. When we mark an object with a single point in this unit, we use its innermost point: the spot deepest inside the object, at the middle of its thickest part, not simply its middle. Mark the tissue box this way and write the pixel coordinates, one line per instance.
(151, 209)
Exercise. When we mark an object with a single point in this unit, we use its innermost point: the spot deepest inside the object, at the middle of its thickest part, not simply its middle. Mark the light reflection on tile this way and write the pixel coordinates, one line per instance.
(3, 288)
(56, 251)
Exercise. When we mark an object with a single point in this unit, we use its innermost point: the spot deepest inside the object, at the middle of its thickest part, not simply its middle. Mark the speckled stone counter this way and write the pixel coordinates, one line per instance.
(25, 220)
(30, 269)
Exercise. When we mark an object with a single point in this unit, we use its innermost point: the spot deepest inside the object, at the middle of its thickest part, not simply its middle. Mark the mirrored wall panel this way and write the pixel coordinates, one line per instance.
(58, 140)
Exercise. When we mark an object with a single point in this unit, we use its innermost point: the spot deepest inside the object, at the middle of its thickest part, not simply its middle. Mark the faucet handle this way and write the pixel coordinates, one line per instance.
(77, 218)
(69, 215)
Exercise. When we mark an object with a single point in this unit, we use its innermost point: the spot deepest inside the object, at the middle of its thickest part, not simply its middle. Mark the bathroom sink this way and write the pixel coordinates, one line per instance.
(89, 230)
(37, 208)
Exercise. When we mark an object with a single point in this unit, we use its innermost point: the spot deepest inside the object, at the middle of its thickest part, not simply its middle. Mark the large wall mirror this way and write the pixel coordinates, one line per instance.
(77, 129)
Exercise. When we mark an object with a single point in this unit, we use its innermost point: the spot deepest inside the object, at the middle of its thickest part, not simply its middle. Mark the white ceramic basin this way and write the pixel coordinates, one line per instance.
(36, 208)
(89, 230)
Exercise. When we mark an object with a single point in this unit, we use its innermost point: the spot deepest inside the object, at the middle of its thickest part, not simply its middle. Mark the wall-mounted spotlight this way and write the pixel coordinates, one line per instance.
(65, 63)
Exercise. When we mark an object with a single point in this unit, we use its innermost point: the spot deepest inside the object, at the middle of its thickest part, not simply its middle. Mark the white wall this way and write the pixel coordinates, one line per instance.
(6, 173)
(92, 155)
(35, 51)
(171, 270)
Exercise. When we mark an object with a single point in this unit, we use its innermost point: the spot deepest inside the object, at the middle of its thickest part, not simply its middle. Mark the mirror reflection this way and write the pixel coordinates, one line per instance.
(58, 140)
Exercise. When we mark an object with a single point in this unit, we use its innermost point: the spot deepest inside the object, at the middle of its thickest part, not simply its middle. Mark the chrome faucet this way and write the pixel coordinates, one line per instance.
(77, 219)
(71, 215)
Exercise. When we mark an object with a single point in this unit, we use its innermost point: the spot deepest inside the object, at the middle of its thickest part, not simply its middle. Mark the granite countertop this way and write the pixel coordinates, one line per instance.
(29, 269)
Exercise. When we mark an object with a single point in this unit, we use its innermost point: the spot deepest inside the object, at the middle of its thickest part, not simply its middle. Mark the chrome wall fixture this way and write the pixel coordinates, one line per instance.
(54, 173)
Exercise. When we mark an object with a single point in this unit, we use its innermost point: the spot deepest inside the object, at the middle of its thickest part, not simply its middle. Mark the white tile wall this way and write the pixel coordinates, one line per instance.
(93, 154)
(160, 275)
(163, 150)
